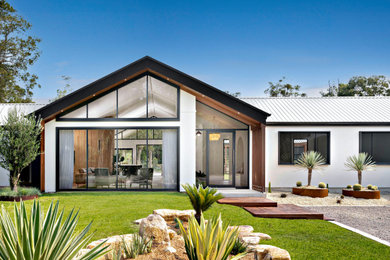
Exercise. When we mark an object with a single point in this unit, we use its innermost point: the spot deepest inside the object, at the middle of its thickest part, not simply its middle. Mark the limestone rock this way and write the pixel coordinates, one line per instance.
(261, 235)
(170, 249)
(113, 243)
(265, 252)
(171, 234)
(138, 221)
(155, 227)
(172, 214)
(250, 240)
(80, 254)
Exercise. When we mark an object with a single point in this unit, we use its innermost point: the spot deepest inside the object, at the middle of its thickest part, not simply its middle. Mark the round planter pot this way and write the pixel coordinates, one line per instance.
(314, 193)
(362, 194)
(27, 197)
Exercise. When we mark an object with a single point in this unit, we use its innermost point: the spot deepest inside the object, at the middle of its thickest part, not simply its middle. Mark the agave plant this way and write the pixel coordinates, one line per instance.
(361, 162)
(211, 241)
(138, 246)
(310, 160)
(35, 236)
(201, 198)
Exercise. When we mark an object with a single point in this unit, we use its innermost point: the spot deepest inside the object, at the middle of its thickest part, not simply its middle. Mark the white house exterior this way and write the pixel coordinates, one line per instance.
(151, 127)
(344, 118)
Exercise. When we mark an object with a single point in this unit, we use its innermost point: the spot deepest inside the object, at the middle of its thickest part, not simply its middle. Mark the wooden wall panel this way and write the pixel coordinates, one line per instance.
(101, 148)
(42, 184)
(258, 158)
(80, 149)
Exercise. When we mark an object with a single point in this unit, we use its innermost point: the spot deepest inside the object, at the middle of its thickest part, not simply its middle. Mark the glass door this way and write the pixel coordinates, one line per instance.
(220, 166)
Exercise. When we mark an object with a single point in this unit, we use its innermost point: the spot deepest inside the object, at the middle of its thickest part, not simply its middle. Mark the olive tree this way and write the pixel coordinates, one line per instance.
(19, 143)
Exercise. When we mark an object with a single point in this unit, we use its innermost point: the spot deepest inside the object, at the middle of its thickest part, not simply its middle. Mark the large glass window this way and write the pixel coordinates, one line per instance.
(377, 144)
(293, 144)
(145, 97)
(118, 159)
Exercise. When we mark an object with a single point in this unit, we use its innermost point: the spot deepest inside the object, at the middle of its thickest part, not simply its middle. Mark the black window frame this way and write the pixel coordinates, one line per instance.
(115, 89)
(371, 148)
(328, 161)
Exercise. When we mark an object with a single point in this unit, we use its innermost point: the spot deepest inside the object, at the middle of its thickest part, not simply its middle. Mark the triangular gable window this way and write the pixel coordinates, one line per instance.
(146, 98)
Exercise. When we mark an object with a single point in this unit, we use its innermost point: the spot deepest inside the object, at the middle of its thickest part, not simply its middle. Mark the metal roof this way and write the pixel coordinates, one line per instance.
(324, 110)
(25, 108)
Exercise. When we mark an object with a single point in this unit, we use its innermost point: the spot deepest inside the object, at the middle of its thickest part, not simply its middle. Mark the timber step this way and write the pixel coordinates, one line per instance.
(248, 202)
(285, 211)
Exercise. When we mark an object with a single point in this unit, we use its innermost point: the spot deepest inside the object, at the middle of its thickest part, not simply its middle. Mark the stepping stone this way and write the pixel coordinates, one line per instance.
(248, 202)
(285, 211)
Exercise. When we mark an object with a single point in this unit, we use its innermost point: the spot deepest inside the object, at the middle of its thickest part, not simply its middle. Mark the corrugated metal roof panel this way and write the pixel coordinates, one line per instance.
(24, 108)
(324, 109)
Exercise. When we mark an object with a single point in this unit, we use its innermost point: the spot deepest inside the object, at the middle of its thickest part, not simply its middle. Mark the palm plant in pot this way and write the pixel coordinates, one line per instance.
(310, 160)
(359, 163)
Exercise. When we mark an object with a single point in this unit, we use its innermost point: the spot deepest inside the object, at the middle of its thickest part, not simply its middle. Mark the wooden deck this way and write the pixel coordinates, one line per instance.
(248, 202)
(266, 208)
(286, 211)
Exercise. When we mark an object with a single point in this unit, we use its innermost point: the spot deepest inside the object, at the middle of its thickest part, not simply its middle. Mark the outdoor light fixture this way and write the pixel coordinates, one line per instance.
(198, 133)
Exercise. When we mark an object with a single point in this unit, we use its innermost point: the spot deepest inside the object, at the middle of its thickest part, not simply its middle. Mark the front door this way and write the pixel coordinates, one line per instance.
(220, 159)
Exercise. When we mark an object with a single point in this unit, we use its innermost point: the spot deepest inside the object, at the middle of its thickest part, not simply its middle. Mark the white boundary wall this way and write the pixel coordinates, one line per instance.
(187, 128)
(344, 141)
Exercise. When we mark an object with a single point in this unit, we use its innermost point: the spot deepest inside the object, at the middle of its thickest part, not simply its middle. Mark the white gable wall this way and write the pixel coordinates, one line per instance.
(187, 139)
(344, 141)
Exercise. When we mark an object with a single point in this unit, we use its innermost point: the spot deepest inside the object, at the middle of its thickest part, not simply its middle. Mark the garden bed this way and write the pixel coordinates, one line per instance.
(310, 192)
(24, 193)
(362, 194)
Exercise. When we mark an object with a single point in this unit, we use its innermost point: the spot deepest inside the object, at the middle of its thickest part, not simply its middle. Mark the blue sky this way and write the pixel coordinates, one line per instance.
(232, 45)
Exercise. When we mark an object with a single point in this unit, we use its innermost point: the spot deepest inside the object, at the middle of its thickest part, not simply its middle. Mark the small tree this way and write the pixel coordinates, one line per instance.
(361, 162)
(19, 143)
(310, 160)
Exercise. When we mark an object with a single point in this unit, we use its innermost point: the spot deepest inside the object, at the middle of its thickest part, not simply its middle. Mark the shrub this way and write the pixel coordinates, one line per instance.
(43, 237)
(201, 198)
(342, 197)
(349, 186)
(269, 187)
(369, 186)
(213, 240)
(22, 191)
(283, 195)
(137, 246)
(299, 183)
(322, 185)
(357, 187)
(374, 187)
(310, 160)
(361, 162)
(239, 247)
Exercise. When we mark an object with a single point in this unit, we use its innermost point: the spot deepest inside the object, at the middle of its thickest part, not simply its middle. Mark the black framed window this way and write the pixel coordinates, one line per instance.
(377, 144)
(146, 97)
(293, 144)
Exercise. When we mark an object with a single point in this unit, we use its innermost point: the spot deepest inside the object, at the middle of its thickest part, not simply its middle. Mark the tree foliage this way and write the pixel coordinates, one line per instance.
(18, 51)
(65, 90)
(19, 143)
(234, 94)
(360, 86)
(281, 89)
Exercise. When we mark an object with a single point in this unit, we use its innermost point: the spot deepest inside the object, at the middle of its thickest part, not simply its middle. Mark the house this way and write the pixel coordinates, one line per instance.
(149, 126)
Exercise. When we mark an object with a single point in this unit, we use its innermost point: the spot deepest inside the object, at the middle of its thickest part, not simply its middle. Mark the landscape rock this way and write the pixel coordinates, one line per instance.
(171, 234)
(170, 249)
(265, 252)
(114, 243)
(262, 236)
(250, 240)
(138, 221)
(172, 214)
(155, 227)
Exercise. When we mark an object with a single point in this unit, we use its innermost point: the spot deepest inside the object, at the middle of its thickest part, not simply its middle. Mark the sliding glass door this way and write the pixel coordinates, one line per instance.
(92, 159)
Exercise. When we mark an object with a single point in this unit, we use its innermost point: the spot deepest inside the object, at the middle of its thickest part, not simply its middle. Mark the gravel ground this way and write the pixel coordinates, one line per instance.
(373, 220)
(331, 200)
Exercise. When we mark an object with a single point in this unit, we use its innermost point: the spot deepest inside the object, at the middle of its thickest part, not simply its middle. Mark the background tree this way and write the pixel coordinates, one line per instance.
(234, 94)
(19, 143)
(18, 51)
(65, 90)
(360, 86)
(281, 89)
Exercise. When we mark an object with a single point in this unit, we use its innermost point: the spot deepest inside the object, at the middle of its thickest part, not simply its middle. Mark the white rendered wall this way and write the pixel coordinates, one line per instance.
(4, 177)
(187, 139)
(344, 141)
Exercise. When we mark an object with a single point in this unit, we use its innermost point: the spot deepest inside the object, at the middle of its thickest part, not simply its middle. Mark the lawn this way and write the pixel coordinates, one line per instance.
(113, 213)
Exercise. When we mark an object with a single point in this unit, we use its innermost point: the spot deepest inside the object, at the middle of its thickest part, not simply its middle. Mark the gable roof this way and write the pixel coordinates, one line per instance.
(24, 108)
(149, 64)
(324, 110)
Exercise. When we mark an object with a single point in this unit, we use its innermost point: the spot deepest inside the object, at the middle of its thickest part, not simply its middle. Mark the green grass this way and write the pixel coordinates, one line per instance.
(113, 213)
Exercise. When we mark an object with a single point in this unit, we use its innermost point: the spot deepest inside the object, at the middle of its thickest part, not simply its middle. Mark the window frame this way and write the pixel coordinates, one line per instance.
(371, 145)
(328, 133)
(115, 89)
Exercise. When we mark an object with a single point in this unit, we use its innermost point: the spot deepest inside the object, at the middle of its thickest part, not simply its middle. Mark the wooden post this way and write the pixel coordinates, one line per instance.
(42, 186)
(258, 158)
